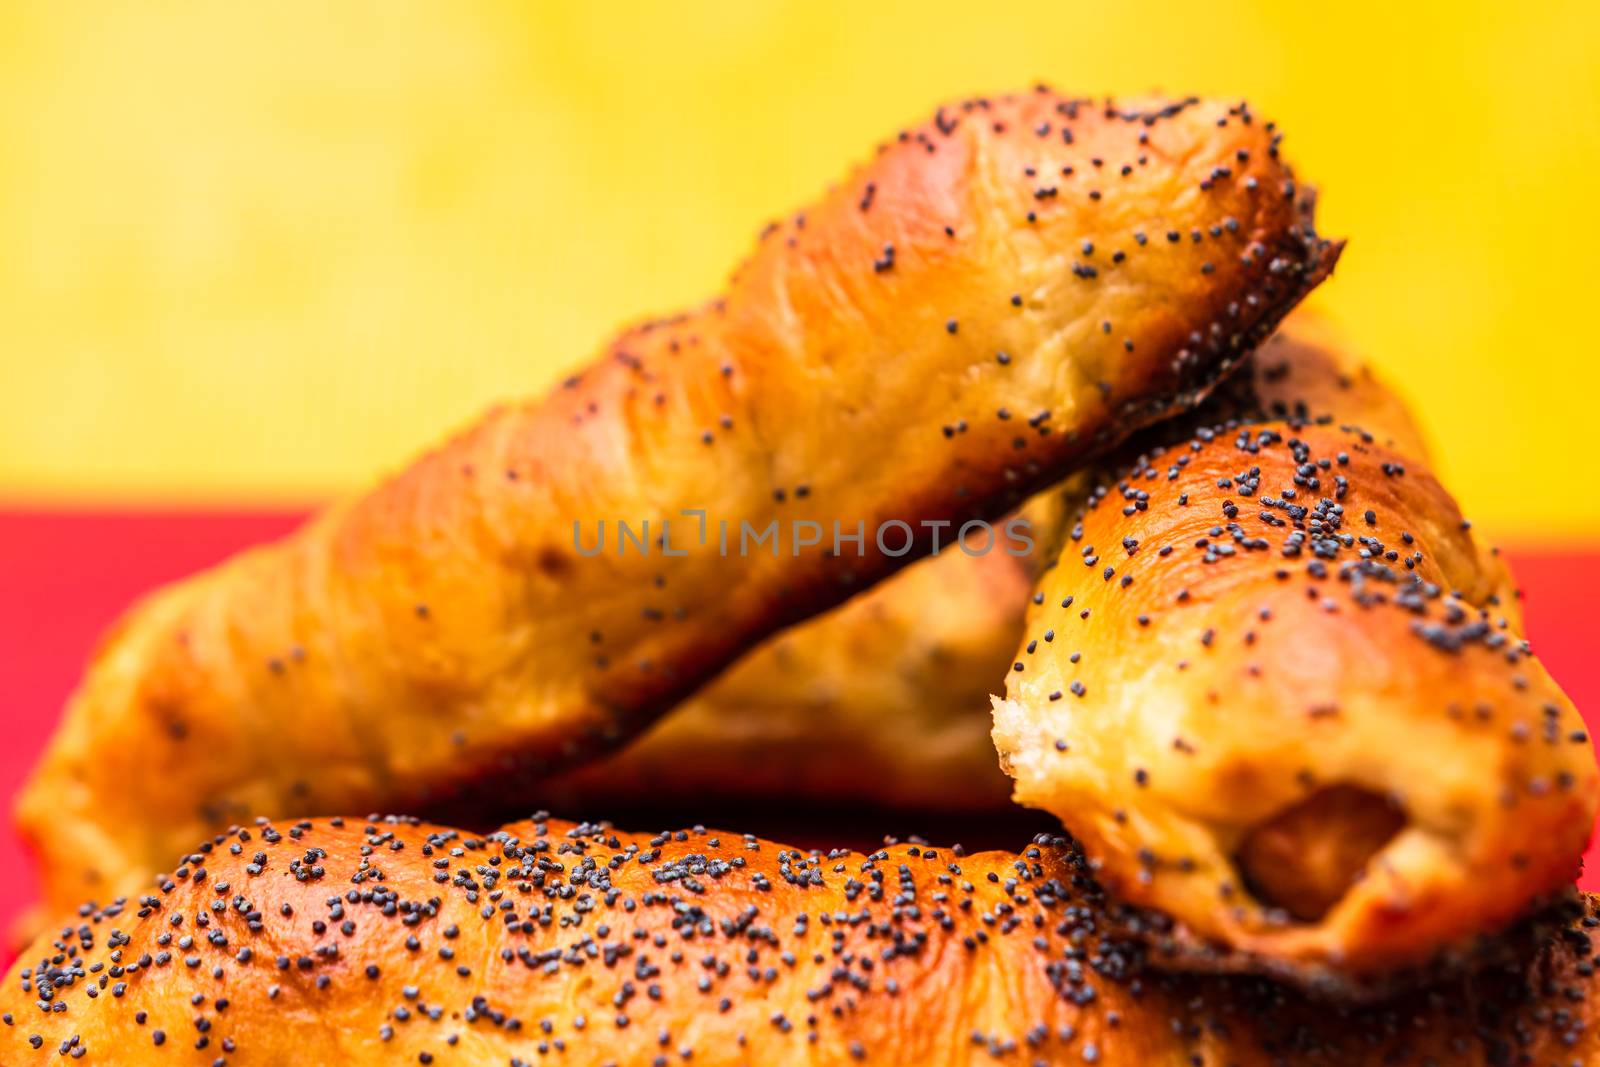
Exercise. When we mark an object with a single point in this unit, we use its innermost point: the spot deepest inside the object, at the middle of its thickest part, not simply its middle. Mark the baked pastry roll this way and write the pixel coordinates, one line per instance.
(881, 703)
(1000, 292)
(1277, 687)
(371, 941)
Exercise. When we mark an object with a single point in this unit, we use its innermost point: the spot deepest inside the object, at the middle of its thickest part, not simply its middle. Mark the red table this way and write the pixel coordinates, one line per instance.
(65, 575)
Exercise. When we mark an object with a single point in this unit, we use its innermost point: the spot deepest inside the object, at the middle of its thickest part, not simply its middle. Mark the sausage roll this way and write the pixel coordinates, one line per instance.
(1277, 687)
(382, 941)
(1002, 291)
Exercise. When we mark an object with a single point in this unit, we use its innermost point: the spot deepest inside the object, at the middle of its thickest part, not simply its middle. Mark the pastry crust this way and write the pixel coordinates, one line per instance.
(1278, 689)
(385, 941)
(883, 702)
(448, 634)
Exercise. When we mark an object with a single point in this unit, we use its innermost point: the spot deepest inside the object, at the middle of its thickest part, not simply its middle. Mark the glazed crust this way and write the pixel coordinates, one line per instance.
(1278, 689)
(448, 632)
(883, 702)
(385, 941)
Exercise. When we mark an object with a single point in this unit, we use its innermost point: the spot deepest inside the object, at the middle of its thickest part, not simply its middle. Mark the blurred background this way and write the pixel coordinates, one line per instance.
(252, 255)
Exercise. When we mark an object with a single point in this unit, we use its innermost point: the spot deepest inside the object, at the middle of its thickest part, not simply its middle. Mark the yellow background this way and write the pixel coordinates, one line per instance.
(259, 252)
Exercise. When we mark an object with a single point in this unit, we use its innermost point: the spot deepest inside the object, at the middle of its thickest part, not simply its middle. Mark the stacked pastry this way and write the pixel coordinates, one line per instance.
(1318, 802)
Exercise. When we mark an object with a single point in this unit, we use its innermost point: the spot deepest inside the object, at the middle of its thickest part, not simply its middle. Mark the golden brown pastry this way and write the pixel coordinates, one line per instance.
(1278, 689)
(1306, 372)
(884, 701)
(389, 942)
(1000, 292)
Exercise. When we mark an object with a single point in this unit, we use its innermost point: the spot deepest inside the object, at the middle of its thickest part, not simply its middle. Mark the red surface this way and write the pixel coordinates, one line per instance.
(64, 576)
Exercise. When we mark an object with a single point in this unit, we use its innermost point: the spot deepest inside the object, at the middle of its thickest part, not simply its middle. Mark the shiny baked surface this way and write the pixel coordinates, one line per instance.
(883, 701)
(445, 634)
(1277, 687)
(387, 941)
